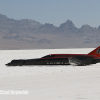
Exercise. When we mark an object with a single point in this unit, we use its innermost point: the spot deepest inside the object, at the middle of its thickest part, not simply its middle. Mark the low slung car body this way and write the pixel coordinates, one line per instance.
(61, 59)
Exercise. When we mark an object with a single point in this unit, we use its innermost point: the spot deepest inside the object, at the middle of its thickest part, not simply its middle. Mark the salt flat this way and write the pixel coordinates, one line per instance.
(48, 82)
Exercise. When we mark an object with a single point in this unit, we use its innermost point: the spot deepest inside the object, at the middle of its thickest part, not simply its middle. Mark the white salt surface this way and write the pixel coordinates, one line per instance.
(48, 82)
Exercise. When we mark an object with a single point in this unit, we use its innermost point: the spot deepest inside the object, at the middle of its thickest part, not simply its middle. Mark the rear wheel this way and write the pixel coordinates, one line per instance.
(80, 61)
(75, 61)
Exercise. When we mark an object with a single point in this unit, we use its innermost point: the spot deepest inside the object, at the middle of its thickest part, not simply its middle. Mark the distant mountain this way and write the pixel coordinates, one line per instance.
(9, 26)
(68, 27)
(30, 34)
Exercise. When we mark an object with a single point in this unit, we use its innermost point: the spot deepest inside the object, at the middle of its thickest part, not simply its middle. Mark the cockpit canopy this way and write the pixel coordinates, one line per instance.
(47, 56)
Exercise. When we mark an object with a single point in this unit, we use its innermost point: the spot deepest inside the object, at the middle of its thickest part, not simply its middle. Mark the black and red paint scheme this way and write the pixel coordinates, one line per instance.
(61, 59)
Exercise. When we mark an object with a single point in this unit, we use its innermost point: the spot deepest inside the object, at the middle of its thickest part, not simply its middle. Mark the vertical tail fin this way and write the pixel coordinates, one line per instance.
(95, 52)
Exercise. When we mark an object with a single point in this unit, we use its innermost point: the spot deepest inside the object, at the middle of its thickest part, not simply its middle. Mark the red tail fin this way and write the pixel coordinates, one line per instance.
(95, 52)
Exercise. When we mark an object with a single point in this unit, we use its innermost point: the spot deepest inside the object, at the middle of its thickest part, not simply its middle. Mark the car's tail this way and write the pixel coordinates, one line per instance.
(95, 52)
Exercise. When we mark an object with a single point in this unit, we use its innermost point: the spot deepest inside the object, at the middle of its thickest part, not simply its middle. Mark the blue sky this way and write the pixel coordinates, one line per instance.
(54, 11)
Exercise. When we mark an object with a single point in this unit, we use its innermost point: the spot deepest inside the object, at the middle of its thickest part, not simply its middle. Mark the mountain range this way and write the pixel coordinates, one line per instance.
(30, 34)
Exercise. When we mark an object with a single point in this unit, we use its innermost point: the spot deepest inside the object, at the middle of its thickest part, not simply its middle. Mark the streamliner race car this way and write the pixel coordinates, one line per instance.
(61, 59)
